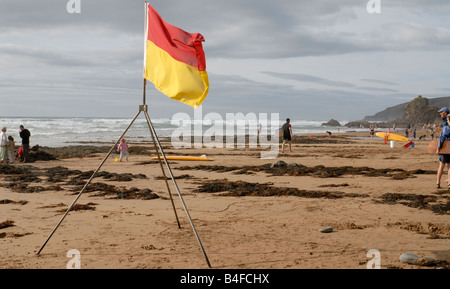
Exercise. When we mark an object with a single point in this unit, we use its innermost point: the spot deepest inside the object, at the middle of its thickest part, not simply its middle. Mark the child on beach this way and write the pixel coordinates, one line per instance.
(443, 158)
(10, 146)
(123, 149)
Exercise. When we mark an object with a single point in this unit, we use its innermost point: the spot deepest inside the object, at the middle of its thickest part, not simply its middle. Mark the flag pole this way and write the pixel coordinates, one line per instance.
(157, 144)
(143, 94)
(144, 108)
(145, 48)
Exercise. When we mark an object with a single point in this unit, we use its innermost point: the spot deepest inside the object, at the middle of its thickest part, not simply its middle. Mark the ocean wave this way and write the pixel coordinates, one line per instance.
(54, 132)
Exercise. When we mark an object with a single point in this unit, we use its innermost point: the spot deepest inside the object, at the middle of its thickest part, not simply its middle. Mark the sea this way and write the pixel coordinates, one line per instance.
(67, 131)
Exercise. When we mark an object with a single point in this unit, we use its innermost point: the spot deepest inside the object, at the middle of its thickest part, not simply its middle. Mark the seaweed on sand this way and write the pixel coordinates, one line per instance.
(6, 224)
(317, 171)
(241, 188)
(81, 207)
(417, 201)
(19, 179)
(113, 192)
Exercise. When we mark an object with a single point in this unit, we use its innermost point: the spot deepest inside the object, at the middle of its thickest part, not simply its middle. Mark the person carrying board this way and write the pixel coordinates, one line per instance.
(443, 158)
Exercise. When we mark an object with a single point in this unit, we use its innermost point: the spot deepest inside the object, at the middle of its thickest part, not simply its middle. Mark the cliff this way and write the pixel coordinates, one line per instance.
(396, 112)
(417, 112)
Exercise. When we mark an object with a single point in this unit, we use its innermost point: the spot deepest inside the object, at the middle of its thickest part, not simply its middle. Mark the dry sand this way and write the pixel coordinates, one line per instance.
(244, 213)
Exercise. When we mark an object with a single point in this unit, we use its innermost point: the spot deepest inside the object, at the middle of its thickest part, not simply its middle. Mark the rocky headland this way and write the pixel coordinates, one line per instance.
(415, 113)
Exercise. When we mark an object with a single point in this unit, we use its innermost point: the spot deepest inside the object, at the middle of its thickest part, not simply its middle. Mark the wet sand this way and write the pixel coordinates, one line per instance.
(250, 213)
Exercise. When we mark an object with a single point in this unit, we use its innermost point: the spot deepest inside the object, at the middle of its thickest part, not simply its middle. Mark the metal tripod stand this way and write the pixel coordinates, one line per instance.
(158, 148)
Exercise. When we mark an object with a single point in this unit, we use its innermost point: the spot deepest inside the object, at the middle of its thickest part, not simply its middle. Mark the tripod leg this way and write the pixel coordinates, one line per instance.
(176, 186)
(163, 172)
(88, 182)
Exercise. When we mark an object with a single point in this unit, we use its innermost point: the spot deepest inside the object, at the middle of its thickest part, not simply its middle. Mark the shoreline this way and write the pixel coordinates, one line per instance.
(250, 213)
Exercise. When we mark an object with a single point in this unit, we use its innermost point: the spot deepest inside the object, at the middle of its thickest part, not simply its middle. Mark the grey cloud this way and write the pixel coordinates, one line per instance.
(74, 66)
(309, 78)
(238, 94)
(113, 57)
(41, 55)
(408, 35)
(232, 28)
(116, 15)
(376, 89)
(379, 81)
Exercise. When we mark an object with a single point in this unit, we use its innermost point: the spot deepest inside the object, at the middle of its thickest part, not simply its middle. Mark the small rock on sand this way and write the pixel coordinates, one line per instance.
(408, 258)
(426, 261)
(326, 230)
(416, 260)
(278, 164)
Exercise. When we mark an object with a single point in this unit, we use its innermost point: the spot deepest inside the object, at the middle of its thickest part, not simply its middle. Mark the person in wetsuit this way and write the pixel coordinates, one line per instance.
(287, 135)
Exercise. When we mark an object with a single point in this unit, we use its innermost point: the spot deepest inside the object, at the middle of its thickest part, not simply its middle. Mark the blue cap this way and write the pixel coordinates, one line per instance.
(444, 109)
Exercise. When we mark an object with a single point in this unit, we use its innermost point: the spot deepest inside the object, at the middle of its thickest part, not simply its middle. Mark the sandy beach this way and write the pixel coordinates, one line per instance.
(248, 213)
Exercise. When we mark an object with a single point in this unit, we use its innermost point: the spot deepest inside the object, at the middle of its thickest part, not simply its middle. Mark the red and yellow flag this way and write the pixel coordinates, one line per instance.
(175, 61)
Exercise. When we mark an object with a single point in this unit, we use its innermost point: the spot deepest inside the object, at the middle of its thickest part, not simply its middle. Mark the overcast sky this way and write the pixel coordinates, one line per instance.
(307, 60)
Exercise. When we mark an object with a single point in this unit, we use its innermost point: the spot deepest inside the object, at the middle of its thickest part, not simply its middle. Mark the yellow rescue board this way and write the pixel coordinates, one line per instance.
(391, 136)
(432, 146)
(184, 158)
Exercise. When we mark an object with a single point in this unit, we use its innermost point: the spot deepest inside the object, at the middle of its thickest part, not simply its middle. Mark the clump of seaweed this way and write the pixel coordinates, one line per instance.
(185, 176)
(6, 224)
(81, 207)
(241, 188)
(113, 192)
(6, 201)
(18, 179)
(317, 171)
(417, 201)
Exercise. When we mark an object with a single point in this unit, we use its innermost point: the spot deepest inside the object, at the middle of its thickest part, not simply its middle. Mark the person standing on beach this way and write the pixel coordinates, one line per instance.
(443, 112)
(123, 149)
(10, 146)
(372, 131)
(25, 135)
(3, 142)
(443, 158)
(287, 135)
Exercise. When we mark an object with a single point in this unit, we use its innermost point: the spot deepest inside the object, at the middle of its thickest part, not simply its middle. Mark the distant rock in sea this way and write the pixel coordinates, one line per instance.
(331, 122)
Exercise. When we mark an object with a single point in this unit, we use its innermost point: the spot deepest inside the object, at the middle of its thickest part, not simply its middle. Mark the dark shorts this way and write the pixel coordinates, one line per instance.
(444, 159)
(287, 137)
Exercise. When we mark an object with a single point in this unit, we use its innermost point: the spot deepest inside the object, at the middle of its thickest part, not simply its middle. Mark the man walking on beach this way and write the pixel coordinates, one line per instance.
(444, 113)
(25, 135)
(287, 134)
